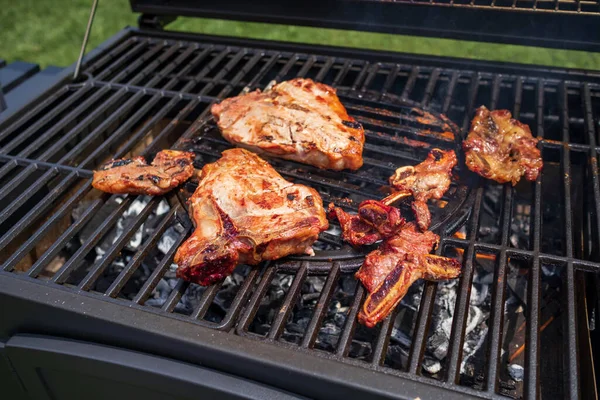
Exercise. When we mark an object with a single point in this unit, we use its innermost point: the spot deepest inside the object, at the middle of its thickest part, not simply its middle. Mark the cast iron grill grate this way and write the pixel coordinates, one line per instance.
(548, 6)
(144, 94)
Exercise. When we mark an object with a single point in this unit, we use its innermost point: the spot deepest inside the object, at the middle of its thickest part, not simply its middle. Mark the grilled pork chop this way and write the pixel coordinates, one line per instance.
(388, 272)
(169, 169)
(501, 148)
(245, 212)
(298, 120)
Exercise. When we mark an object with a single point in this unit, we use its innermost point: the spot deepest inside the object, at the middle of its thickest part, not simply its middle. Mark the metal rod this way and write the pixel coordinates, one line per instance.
(88, 29)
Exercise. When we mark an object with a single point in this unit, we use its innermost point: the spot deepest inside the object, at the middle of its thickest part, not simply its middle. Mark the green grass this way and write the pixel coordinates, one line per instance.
(50, 33)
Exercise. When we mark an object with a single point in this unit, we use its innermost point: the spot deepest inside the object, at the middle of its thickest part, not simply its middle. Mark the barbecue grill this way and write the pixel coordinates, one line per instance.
(91, 304)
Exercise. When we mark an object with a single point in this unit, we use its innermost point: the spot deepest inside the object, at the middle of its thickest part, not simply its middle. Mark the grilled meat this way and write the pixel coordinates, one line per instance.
(402, 259)
(427, 180)
(169, 169)
(375, 220)
(501, 148)
(245, 212)
(298, 120)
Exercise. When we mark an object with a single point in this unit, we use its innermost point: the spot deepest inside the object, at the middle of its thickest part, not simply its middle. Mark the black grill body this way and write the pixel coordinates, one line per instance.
(70, 310)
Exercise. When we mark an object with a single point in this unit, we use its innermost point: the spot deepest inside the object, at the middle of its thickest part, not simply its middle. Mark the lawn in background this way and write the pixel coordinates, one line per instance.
(49, 32)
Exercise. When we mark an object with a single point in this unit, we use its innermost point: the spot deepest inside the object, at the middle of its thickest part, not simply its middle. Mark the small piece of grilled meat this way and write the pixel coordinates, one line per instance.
(245, 212)
(298, 120)
(501, 148)
(427, 180)
(169, 169)
(388, 272)
(375, 221)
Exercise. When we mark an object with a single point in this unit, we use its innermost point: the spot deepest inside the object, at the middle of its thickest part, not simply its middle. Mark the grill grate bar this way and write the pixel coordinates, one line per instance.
(372, 72)
(153, 147)
(175, 296)
(268, 272)
(132, 66)
(450, 93)
(239, 301)
(312, 330)
(412, 78)
(307, 66)
(14, 183)
(389, 81)
(287, 67)
(43, 166)
(325, 69)
(112, 55)
(342, 74)
(139, 256)
(205, 301)
(345, 341)
(362, 75)
(238, 77)
(224, 71)
(288, 304)
(159, 271)
(46, 203)
(112, 253)
(71, 116)
(63, 273)
(383, 339)
(152, 67)
(419, 341)
(582, 265)
(265, 68)
(433, 78)
(591, 137)
(67, 235)
(532, 358)
(498, 292)
(123, 129)
(124, 59)
(571, 310)
(499, 287)
(45, 117)
(462, 298)
(32, 240)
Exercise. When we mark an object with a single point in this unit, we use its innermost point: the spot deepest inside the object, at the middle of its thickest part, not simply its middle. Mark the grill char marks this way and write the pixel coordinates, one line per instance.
(245, 212)
(501, 148)
(298, 120)
(169, 169)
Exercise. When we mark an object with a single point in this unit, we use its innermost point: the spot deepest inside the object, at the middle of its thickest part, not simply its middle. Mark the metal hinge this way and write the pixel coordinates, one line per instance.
(149, 21)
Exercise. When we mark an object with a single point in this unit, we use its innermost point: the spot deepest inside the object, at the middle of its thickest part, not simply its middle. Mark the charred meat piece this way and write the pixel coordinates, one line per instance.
(501, 148)
(388, 295)
(298, 120)
(402, 259)
(427, 180)
(379, 263)
(375, 221)
(245, 212)
(169, 169)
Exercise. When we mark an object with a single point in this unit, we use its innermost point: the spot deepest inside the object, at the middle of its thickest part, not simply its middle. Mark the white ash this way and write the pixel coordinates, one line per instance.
(162, 208)
(516, 372)
(432, 366)
(167, 240)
